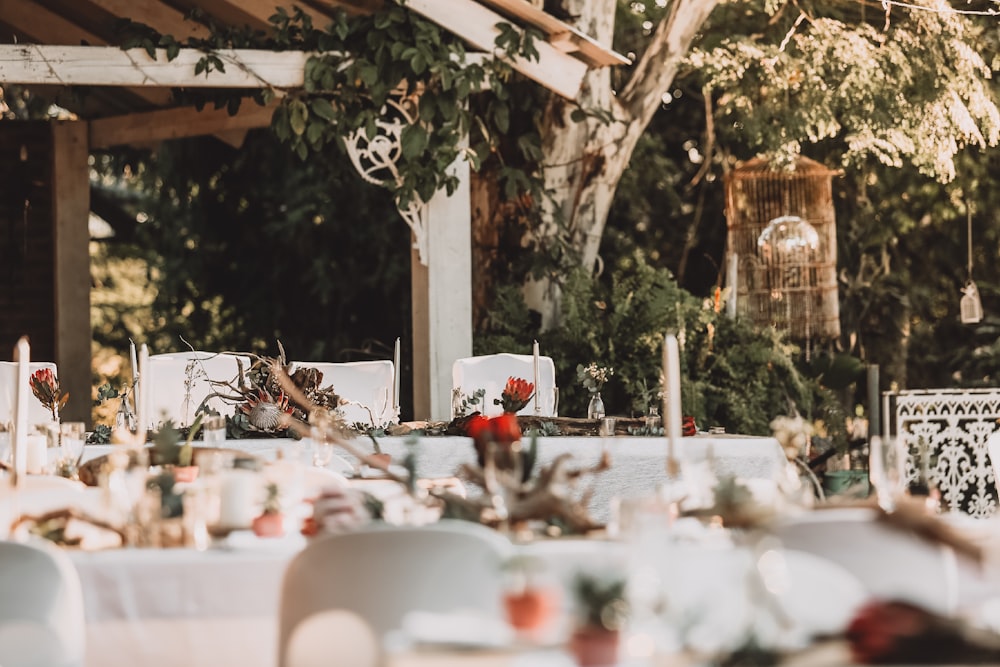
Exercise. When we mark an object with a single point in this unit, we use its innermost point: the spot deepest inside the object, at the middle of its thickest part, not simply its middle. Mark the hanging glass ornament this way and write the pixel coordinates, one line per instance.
(971, 306)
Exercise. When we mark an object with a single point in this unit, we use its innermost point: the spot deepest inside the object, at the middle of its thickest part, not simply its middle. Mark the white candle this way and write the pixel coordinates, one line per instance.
(395, 379)
(142, 397)
(672, 393)
(534, 352)
(238, 497)
(22, 354)
(132, 360)
(37, 453)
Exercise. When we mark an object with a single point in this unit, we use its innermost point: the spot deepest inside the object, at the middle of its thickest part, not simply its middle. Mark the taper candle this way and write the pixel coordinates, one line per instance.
(395, 378)
(22, 354)
(672, 396)
(534, 353)
(143, 395)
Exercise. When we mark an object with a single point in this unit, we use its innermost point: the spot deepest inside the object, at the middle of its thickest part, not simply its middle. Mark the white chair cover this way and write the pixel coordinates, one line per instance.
(889, 562)
(41, 608)
(37, 413)
(490, 372)
(369, 383)
(170, 397)
(381, 573)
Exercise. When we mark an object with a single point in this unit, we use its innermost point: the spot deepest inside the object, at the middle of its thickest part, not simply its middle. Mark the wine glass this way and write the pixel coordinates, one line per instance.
(887, 467)
(502, 478)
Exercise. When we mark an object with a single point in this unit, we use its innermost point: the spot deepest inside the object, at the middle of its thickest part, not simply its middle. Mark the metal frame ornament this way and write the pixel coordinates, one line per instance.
(376, 159)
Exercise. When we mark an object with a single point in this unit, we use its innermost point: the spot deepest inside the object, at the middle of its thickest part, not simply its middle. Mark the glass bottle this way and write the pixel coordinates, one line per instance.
(596, 408)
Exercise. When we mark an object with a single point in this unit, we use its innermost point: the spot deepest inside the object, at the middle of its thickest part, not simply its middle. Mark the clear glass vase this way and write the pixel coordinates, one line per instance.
(596, 408)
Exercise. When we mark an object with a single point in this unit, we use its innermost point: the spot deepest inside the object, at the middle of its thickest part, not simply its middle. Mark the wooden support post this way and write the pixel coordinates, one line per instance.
(70, 217)
(442, 299)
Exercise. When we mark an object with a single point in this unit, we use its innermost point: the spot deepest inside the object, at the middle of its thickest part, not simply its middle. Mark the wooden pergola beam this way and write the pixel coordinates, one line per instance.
(562, 36)
(111, 66)
(157, 15)
(559, 72)
(153, 126)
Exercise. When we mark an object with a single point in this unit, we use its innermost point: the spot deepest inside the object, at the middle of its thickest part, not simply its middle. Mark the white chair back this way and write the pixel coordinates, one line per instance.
(179, 382)
(891, 563)
(382, 572)
(369, 383)
(37, 413)
(311, 641)
(490, 372)
(41, 608)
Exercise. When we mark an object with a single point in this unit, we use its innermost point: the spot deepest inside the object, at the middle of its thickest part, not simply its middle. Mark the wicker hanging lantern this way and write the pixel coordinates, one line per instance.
(783, 246)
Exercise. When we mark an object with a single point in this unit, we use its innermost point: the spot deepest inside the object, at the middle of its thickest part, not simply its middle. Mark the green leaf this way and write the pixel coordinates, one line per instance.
(297, 115)
(501, 116)
(578, 115)
(315, 133)
(413, 140)
(322, 108)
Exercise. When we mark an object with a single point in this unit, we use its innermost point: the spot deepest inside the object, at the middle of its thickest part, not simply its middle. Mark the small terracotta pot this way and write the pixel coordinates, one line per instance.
(185, 474)
(532, 608)
(594, 646)
(269, 524)
(383, 458)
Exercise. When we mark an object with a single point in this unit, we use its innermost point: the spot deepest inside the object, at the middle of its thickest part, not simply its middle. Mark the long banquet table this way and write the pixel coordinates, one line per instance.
(638, 463)
(219, 607)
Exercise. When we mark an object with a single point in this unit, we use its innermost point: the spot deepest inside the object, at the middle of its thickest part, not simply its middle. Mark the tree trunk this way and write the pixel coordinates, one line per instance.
(584, 161)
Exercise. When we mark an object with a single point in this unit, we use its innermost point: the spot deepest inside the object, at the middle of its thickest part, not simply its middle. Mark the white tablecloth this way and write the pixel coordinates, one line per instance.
(167, 607)
(638, 464)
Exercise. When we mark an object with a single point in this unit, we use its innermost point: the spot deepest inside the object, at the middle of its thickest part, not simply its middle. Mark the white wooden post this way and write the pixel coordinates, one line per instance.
(442, 298)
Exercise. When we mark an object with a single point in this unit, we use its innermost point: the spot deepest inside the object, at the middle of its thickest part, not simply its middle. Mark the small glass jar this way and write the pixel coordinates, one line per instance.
(596, 408)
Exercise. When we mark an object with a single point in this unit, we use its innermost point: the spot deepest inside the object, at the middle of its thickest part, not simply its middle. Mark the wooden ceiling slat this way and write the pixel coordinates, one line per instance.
(154, 126)
(157, 15)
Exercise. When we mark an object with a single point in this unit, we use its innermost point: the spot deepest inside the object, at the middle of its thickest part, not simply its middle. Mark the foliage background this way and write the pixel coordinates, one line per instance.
(238, 248)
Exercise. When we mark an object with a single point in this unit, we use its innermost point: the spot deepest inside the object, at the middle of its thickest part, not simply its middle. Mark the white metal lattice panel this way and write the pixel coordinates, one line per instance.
(950, 427)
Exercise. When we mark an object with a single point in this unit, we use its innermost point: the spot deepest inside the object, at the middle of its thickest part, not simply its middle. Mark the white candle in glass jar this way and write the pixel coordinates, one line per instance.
(37, 453)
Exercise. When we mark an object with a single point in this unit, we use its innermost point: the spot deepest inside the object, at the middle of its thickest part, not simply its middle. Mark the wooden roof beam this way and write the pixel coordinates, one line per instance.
(554, 69)
(561, 35)
(153, 126)
(111, 66)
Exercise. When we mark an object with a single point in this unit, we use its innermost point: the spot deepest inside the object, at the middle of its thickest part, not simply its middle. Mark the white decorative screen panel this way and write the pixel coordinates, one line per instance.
(947, 430)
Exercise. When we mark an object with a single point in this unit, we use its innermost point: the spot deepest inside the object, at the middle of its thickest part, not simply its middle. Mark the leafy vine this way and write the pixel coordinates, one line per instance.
(360, 63)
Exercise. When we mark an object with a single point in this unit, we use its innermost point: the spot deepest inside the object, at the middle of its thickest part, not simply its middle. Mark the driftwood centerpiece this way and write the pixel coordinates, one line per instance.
(505, 471)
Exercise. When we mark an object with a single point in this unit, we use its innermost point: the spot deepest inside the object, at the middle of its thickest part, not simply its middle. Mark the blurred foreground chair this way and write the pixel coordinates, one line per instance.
(490, 373)
(380, 574)
(179, 382)
(37, 413)
(41, 608)
(368, 385)
(891, 562)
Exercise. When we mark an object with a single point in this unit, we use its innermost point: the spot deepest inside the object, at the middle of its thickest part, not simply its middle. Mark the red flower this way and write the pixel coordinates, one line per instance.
(515, 395)
(45, 387)
(688, 427)
(502, 430)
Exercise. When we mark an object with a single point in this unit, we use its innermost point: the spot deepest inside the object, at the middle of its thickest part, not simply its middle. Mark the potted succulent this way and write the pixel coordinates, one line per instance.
(602, 612)
(169, 452)
(531, 602)
(270, 523)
